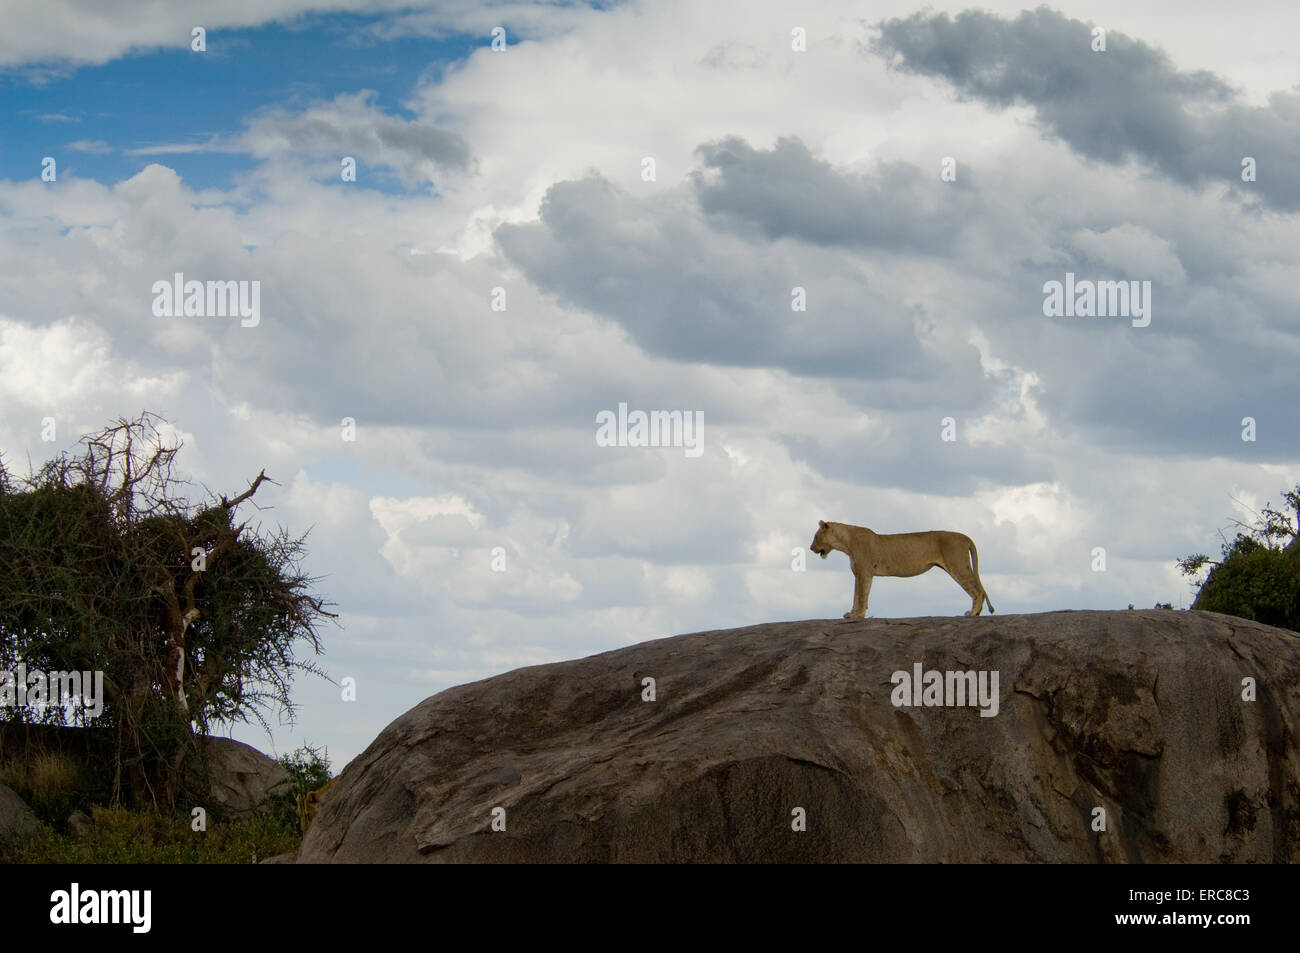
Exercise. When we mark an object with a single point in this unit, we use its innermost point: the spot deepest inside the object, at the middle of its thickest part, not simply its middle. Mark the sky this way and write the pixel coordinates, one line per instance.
(828, 231)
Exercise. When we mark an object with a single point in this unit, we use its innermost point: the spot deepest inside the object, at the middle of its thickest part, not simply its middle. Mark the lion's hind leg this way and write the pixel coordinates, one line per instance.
(970, 582)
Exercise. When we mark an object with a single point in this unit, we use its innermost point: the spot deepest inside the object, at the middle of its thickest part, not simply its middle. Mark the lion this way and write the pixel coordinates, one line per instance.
(309, 804)
(902, 554)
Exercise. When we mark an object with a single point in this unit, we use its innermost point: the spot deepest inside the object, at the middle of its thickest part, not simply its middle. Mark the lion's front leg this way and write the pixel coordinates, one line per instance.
(861, 591)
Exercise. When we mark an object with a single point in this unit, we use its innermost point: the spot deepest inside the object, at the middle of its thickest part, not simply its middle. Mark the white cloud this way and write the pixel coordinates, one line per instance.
(93, 146)
(1134, 249)
(70, 366)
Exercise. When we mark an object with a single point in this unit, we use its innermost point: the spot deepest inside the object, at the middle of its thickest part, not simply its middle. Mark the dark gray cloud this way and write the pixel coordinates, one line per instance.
(412, 140)
(1174, 391)
(689, 292)
(788, 192)
(430, 142)
(1127, 102)
(915, 456)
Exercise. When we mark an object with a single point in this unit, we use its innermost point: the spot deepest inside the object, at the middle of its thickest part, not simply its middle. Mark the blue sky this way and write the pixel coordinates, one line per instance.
(177, 97)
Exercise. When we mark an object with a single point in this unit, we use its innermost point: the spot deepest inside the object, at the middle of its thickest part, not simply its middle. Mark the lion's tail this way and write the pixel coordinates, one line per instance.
(975, 565)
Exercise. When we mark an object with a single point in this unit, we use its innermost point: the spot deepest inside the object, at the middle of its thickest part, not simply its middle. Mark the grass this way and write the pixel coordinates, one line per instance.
(52, 775)
(52, 784)
(121, 836)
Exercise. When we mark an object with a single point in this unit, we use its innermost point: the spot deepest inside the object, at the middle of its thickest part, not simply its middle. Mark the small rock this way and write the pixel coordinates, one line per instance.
(79, 824)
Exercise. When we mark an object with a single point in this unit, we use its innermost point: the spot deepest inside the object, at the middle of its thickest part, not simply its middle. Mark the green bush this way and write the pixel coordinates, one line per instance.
(1258, 577)
(1255, 582)
(309, 769)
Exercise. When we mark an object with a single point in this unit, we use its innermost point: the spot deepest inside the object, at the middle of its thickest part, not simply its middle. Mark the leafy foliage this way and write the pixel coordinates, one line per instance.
(308, 767)
(1257, 577)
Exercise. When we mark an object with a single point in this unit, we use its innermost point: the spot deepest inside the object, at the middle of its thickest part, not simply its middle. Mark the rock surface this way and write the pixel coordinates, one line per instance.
(242, 777)
(1136, 712)
(17, 822)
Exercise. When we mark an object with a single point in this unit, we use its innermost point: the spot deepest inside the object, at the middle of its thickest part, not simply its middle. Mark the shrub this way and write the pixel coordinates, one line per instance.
(1258, 578)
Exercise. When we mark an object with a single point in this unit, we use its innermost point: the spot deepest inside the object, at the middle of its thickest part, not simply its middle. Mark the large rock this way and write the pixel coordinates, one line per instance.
(241, 777)
(17, 822)
(1139, 713)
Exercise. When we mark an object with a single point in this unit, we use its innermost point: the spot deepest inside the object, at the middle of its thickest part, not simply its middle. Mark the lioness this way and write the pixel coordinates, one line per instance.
(309, 804)
(901, 554)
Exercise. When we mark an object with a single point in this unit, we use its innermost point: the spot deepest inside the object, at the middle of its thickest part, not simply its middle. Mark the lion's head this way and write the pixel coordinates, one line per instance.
(821, 544)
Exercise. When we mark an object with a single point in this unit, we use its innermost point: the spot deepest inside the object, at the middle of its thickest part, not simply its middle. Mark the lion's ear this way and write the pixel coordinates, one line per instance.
(823, 522)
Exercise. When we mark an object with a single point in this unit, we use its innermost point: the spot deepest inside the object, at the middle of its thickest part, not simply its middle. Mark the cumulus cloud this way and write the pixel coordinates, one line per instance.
(788, 192)
(1129, 101)
(687, 291)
